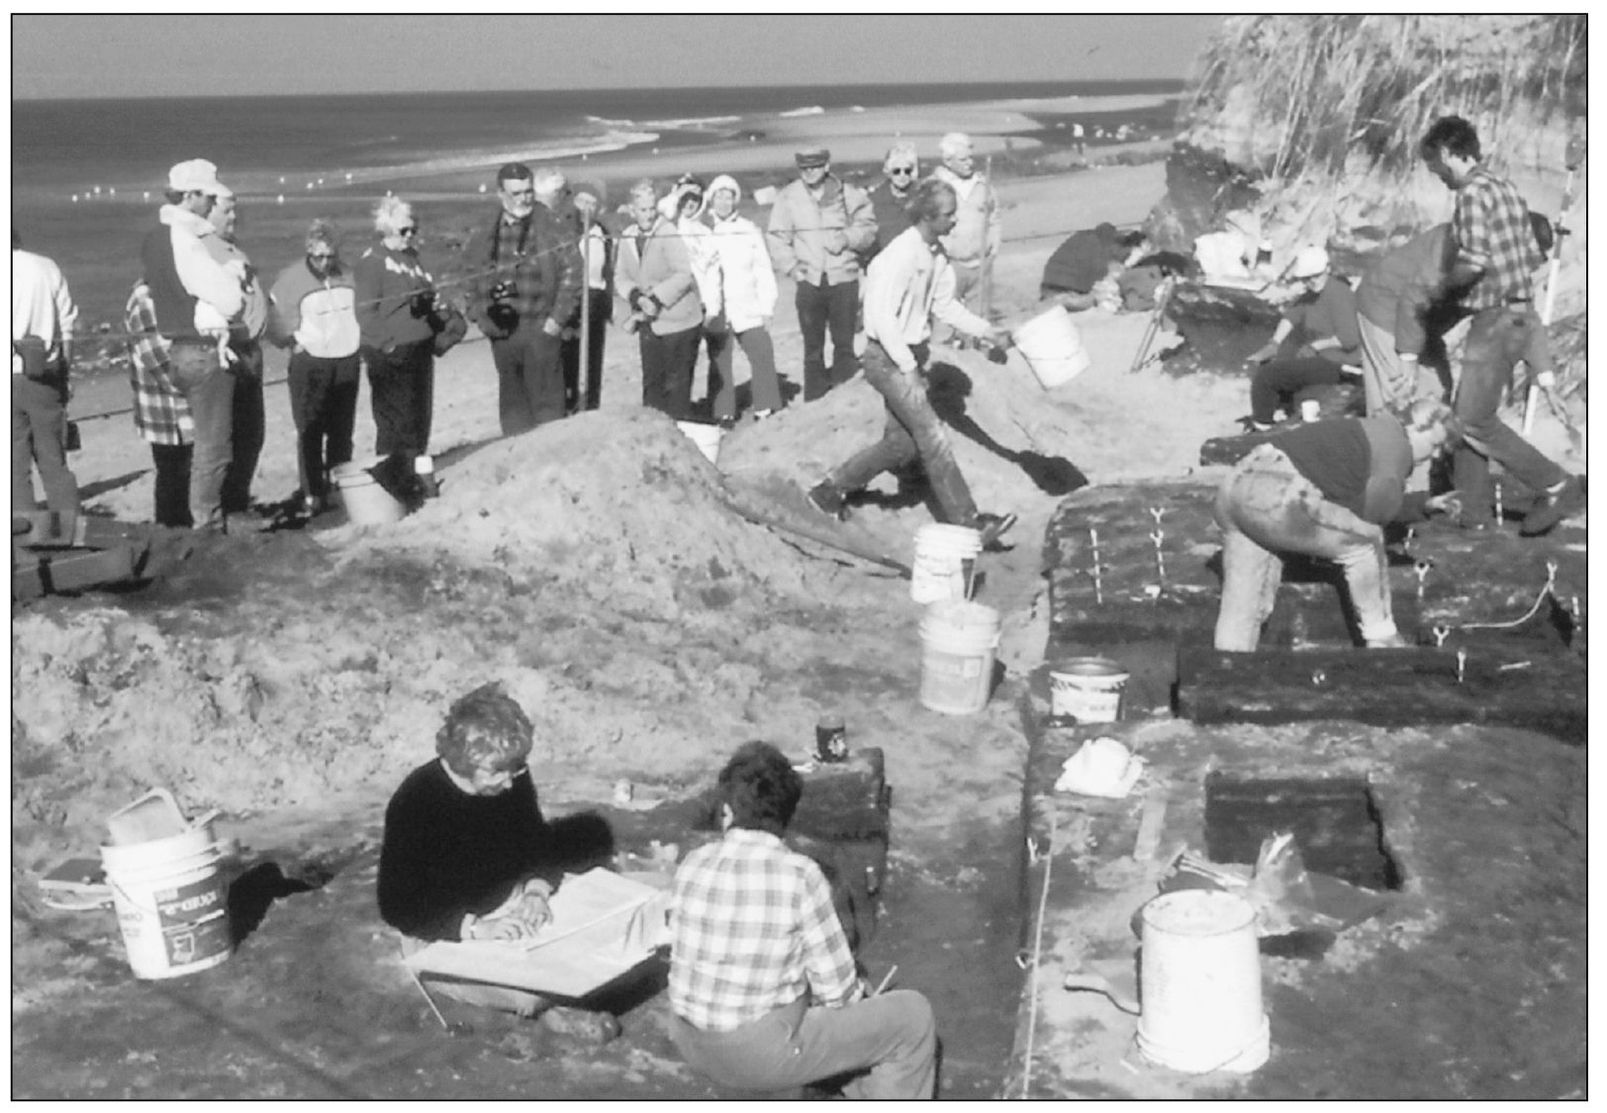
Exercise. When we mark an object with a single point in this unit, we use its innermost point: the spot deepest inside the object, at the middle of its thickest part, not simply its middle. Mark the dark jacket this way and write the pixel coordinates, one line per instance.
(892, 217)
(538, 257)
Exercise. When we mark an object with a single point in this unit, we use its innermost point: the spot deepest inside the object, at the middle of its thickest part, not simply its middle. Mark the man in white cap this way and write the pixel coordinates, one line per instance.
(249, 427)
(977, 231)
(1315, 344)
(819, 227)
(42, 318)
(196, 301)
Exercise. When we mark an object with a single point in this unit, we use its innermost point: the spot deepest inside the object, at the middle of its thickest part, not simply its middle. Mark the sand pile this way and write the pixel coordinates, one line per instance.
(594, 567)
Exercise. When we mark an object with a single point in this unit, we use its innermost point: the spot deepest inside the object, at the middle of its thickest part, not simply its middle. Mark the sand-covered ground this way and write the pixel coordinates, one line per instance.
(599, 568)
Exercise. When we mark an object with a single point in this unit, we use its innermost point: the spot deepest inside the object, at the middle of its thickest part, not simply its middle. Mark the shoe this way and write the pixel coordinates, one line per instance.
(828, 500)
(993, 527)
(1553, 507)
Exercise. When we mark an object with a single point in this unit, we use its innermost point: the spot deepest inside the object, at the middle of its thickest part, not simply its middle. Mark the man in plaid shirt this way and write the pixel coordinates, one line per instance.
(1495, 255)
(161, 412)
(762, 983)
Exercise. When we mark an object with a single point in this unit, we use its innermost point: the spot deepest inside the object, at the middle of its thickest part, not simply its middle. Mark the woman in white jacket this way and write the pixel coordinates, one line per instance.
(748, 293)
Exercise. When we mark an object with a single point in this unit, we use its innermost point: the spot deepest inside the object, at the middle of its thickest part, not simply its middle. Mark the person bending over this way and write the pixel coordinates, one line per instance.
(1324, 489)
(762, 986)
(466, 852)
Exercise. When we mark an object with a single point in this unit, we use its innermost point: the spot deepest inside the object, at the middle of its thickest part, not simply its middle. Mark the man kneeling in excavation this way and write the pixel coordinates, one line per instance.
(1324, 489)
(762, 983)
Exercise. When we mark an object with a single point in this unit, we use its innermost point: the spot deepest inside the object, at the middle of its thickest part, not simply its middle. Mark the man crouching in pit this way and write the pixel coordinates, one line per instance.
(762, 983)
(466, 853)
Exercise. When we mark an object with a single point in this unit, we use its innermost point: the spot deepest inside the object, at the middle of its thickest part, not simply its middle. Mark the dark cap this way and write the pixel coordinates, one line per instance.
(812, 156)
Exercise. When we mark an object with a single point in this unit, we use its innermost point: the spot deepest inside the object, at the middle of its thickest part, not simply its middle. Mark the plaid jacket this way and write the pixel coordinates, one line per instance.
(753, 928)
(161, 412)
(1492, 231)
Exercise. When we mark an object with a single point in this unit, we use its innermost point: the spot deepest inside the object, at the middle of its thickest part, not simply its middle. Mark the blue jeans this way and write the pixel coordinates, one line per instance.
(39, 436)
(198, 372)
(888, 1041)
(1496, 341)
(1267, 508)
(913, 432)
(820, 306)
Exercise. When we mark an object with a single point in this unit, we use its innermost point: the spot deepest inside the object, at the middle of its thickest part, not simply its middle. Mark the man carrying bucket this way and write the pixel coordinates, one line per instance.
(909, 282)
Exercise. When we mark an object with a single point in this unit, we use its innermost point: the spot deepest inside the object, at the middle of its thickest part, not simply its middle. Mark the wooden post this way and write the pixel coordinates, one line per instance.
(585, 321)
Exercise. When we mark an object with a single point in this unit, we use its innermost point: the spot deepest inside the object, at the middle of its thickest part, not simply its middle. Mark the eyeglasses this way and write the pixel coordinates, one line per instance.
(901, 169)
(320, 258)
(409, 231)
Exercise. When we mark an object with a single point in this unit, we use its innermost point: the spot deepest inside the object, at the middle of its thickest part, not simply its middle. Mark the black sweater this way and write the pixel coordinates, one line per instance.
(447, 852)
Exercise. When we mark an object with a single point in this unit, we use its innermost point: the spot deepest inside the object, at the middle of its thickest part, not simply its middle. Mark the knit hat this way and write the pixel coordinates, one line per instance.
(1310, 262)
(725, 181)
(592, 186)
(670, 204)
(197, 175)
(812, 156)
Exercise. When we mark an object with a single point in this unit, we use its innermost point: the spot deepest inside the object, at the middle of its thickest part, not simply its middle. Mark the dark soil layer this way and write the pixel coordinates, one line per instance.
(1468, 981)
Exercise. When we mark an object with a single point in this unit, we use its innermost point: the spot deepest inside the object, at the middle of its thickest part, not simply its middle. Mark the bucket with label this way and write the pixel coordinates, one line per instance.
(1052, 347)
(172, 901)
(366, 502)
(706, 437)
(958, 644)
(944, 557)
(1088, 689)
(1200, 986)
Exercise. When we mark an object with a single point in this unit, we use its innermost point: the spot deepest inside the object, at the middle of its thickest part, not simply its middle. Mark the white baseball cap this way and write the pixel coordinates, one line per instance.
(197, 174)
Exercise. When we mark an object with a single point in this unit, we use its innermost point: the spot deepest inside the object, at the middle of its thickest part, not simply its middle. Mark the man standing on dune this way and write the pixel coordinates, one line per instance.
(249, 412)
(526, 292)
(1495, 255)
(977, 233)
(195, 301)
(818, 228)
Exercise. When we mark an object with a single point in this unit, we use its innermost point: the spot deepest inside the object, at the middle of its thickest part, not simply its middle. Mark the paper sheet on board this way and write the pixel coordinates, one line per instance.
(602, 925)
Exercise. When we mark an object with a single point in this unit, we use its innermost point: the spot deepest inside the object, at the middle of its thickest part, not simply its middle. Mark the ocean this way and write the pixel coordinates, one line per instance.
(87, 174)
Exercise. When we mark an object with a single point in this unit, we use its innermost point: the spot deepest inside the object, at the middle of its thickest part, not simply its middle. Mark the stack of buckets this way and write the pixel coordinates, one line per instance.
(169, 888)
(959, 638)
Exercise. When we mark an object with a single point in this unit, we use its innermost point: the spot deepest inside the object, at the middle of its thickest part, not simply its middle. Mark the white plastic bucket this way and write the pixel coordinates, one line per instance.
(1200, 986)
(944, 556)
(366, 502)
(172, 903)
(1089, 689)
(706, 437)
(1052, 347)
(958, 643)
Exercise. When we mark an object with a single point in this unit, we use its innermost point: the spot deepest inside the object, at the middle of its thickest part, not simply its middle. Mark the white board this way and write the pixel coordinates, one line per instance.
(602, 926)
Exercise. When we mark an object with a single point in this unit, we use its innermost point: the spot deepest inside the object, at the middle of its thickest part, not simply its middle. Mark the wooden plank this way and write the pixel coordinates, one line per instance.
(1538, 690)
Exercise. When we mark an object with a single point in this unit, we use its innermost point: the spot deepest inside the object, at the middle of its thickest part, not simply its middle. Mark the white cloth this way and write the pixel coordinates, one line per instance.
(1102, 767)
(908, 283)
(217, 288)
(747, 279)
(41, 304)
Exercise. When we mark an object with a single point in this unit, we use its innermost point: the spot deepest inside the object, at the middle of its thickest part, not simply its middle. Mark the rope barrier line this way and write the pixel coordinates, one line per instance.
(469, 277)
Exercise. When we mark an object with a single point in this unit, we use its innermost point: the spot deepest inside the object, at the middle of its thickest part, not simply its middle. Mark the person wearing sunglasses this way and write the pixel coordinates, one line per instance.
(466, 852)
(890, 197)
(314, 315)
(395, 303)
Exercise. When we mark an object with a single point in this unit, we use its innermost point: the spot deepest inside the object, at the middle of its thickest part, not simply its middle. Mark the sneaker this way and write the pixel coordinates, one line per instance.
(1553, 507)
(993, 527)
(828, 500)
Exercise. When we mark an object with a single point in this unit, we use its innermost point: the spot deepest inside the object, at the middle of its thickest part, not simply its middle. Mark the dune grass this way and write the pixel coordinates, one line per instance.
(1323, 88)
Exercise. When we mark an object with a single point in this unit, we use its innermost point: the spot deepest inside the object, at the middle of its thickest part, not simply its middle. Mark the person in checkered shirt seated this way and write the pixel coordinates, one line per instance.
(763, 986)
